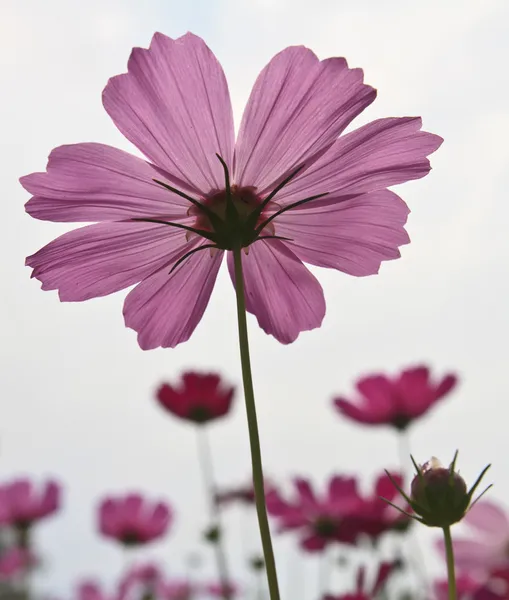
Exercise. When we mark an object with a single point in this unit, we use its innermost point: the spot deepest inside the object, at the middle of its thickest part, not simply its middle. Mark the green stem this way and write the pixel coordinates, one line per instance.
(254, 438)
(205, 458)
(449, 553)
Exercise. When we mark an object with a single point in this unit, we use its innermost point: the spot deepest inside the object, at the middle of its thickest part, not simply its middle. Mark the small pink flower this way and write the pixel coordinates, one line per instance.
(91, 590)
(395, 401)
(218, 590)
(131, 520)
(321, 520)
(146, 576)
(489, 548)
(199, 397)
(466, 588)
(21, 505)
(300, 191)
(341, 515)
(176, 590)
(385, 570)
(14, 562)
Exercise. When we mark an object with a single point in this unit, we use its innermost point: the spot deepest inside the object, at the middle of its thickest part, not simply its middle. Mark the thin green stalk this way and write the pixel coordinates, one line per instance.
(324, 565)
(254, 438)
(205, 459)
(449, 554)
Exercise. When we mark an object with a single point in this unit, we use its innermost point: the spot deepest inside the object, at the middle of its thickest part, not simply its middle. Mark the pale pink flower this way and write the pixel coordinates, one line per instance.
(175, 589)
(91, 590)
(219, 590)
(395, 400)
(299, 192)
(22, 504)
(132, 520)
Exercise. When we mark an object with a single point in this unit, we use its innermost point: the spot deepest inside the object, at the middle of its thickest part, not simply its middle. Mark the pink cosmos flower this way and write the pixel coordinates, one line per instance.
(140, 581)
(489, 548)
(218, 590)
(385, 570)
(176, 590)
(341, 515)
(131, 520)
(466, 588)
(14, 562)
(199, 397)
(91, 590)
(395, 401)
(21, 505)
(298, 192)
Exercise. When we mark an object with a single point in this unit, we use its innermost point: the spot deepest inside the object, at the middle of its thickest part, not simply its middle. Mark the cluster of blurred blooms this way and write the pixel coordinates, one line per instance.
(341, 515)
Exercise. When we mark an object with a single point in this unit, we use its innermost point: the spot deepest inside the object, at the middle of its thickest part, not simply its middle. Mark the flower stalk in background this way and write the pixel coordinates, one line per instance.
(202, 398)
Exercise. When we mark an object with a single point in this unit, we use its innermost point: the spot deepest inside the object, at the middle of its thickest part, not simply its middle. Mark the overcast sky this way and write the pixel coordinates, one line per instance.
(76, 390)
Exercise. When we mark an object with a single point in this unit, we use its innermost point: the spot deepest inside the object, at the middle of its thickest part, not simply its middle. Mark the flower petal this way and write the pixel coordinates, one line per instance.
(446, 385)
(100, 259)
(166, 308)
(368, 415)
(376, 156)
(174, 105)
(353, 236)
(488, 518)
(313, 543)
(297, 108)
(281, 292)
(93, 182)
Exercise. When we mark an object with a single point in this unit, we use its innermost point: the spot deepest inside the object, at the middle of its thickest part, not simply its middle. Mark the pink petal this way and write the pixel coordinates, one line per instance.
(174, 105)
(100, 259)
(414, 389)
(108, 518)
(166, 308)
(21, 499)
(297, 108)
(284, 296)
(489, 518)
(313, 543)
(353, 236)
(362, 414)
(305, 492)
(446, 385)
(384, 487)
(93, 182)
(50, 500)
(381, 154)
(342, 488)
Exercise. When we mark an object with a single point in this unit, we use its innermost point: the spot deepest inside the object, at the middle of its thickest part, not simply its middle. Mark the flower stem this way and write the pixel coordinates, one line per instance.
(205, 458)
(449, 553)
(254, 438)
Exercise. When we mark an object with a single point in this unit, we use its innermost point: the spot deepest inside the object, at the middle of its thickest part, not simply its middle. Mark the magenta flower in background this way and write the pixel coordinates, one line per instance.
(91, 590)
(175, 589)
(132, 520)
(14, 562)
(22, 505)
(320, 520)
(198, 397)
(299, 192)
(396, 401)
(384, 571)
(343, 514)
(489, 548)
(466, 587)
(140, 581)
(218, 590)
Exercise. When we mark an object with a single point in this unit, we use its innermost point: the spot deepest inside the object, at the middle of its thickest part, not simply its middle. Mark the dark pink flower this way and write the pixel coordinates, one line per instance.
(243, 494)
(362, 592)
(488, 549)
(175, 589)
(395, 401)
(466, 588)
(334, 207)
(218, 590)
(14, 562)
(21, 505)
(321, 520)
(341, 515)
(131, 520)
(91, 590)
(142, 580)
(199, 397)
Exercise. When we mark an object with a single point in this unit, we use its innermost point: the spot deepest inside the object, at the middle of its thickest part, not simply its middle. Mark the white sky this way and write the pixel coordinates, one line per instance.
(75, 387)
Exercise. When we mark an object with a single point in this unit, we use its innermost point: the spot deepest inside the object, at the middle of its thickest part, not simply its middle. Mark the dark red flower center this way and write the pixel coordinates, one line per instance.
(326, 527)
(400, 421)
(130, 538)
(199, 414)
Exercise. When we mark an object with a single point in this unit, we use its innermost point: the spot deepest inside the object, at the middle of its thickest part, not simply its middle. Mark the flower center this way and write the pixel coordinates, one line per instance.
(244, 201)
(325, 527)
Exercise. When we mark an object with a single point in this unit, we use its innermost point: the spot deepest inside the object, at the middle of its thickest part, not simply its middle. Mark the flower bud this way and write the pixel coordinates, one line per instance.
(439, 494)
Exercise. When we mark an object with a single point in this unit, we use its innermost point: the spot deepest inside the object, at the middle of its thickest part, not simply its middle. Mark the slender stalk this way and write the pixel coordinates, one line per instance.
(254, 438)
(449, 553)
(324, 565)
(205, 459)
